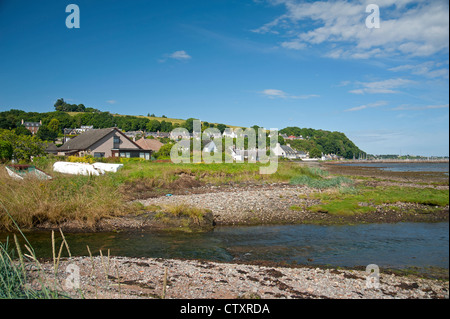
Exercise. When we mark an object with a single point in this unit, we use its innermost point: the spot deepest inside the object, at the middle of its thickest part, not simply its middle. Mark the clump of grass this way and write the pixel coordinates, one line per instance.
(320, 183)
(195, 213)
(12, 278)
(86, 199)
(13, 274)
(342, 208)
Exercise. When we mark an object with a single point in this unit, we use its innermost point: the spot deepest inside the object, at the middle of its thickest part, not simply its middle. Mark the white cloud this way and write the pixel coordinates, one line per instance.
(366, 106)
(180, 55)
(273, 93)
(177, 55)
(111, 101)
(385, 86)
(409, 27)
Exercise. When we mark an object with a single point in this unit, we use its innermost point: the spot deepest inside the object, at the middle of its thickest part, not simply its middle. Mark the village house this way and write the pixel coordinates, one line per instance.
(253, 155)
(210, 147)
(33, 127)
(108, 142)
(230, 133)
(302, 154)
(157, 134)
(149, 144)
(284, 151)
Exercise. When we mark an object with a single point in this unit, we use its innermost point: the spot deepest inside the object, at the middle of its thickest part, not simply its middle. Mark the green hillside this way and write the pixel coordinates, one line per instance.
(66, 115)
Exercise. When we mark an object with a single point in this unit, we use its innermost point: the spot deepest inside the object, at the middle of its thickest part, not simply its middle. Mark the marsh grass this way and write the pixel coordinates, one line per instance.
(13, 272)
(88, 199)
(350, 201)
(316, 178)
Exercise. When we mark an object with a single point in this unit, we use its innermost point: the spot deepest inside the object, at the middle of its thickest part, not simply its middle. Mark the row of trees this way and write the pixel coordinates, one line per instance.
(61, 105)
(58, 120)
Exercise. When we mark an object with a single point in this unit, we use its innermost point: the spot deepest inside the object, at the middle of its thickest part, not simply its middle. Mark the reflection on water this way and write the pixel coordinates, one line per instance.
(387, 245)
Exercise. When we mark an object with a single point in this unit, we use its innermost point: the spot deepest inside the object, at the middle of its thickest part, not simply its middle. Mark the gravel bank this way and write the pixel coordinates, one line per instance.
(249, 205)
(284, 203)
(121, 277)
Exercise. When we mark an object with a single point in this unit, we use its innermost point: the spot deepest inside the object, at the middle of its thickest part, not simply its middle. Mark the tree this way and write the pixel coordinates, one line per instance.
(315, 153)
(166, 126)
(23, 146)
(45, 134)
(6, 151)
(164, 151)
(22, 130)
(189, 124)
(54, 125)
(153, 126)
(59, 104)
(221, 127)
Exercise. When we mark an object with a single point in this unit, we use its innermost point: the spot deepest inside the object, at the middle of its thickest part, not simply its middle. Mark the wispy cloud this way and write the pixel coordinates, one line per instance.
(111, 101)
(366, 106)
(274, 94)
(419, 108)
(177, 55)
(411, 27)
(384, 86)
(428, 69)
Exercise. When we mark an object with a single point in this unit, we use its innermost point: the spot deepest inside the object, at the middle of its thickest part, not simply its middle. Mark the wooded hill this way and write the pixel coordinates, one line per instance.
(72, 116)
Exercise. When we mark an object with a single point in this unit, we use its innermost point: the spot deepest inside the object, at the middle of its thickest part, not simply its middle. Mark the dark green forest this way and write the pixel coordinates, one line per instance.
(317, 142)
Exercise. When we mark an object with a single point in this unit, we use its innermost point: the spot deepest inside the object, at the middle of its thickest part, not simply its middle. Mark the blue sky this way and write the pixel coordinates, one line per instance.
(273, 63)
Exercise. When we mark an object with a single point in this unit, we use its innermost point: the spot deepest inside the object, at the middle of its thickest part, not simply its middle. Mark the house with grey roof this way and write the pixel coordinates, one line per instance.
(284, 151)
(33, 127)
(107, 142)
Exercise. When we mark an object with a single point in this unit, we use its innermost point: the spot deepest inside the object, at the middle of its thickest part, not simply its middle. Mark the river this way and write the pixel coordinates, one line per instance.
(405, 166)
(400, 245)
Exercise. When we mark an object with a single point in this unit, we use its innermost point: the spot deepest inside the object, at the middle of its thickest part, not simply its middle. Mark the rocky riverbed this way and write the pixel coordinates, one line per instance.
(121, 277)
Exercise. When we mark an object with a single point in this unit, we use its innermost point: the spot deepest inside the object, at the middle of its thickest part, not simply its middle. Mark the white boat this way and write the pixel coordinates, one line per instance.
(95, 169)
(21, 171)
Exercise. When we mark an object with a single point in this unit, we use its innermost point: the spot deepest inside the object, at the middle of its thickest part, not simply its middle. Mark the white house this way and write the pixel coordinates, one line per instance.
(229, 133)
(210, 147)
(285, 151)
(302, 154)
(250, 155)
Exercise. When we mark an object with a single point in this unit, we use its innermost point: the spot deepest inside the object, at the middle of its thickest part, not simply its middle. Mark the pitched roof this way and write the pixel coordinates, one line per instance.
(83, 141)
(288, 150)
(149, 144)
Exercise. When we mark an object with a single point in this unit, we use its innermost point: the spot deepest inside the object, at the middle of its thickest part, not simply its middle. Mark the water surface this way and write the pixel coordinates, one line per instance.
(398, 245)
(406, 166)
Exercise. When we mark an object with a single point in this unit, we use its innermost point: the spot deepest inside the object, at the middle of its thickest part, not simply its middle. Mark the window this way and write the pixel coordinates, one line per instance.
(116, 142)
(99, 154)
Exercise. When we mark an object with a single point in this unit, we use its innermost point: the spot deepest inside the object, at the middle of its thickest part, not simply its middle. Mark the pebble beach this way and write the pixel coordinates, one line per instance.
(124, 278)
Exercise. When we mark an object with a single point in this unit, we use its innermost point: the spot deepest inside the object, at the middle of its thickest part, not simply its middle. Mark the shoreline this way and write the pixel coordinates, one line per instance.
(143, 278)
